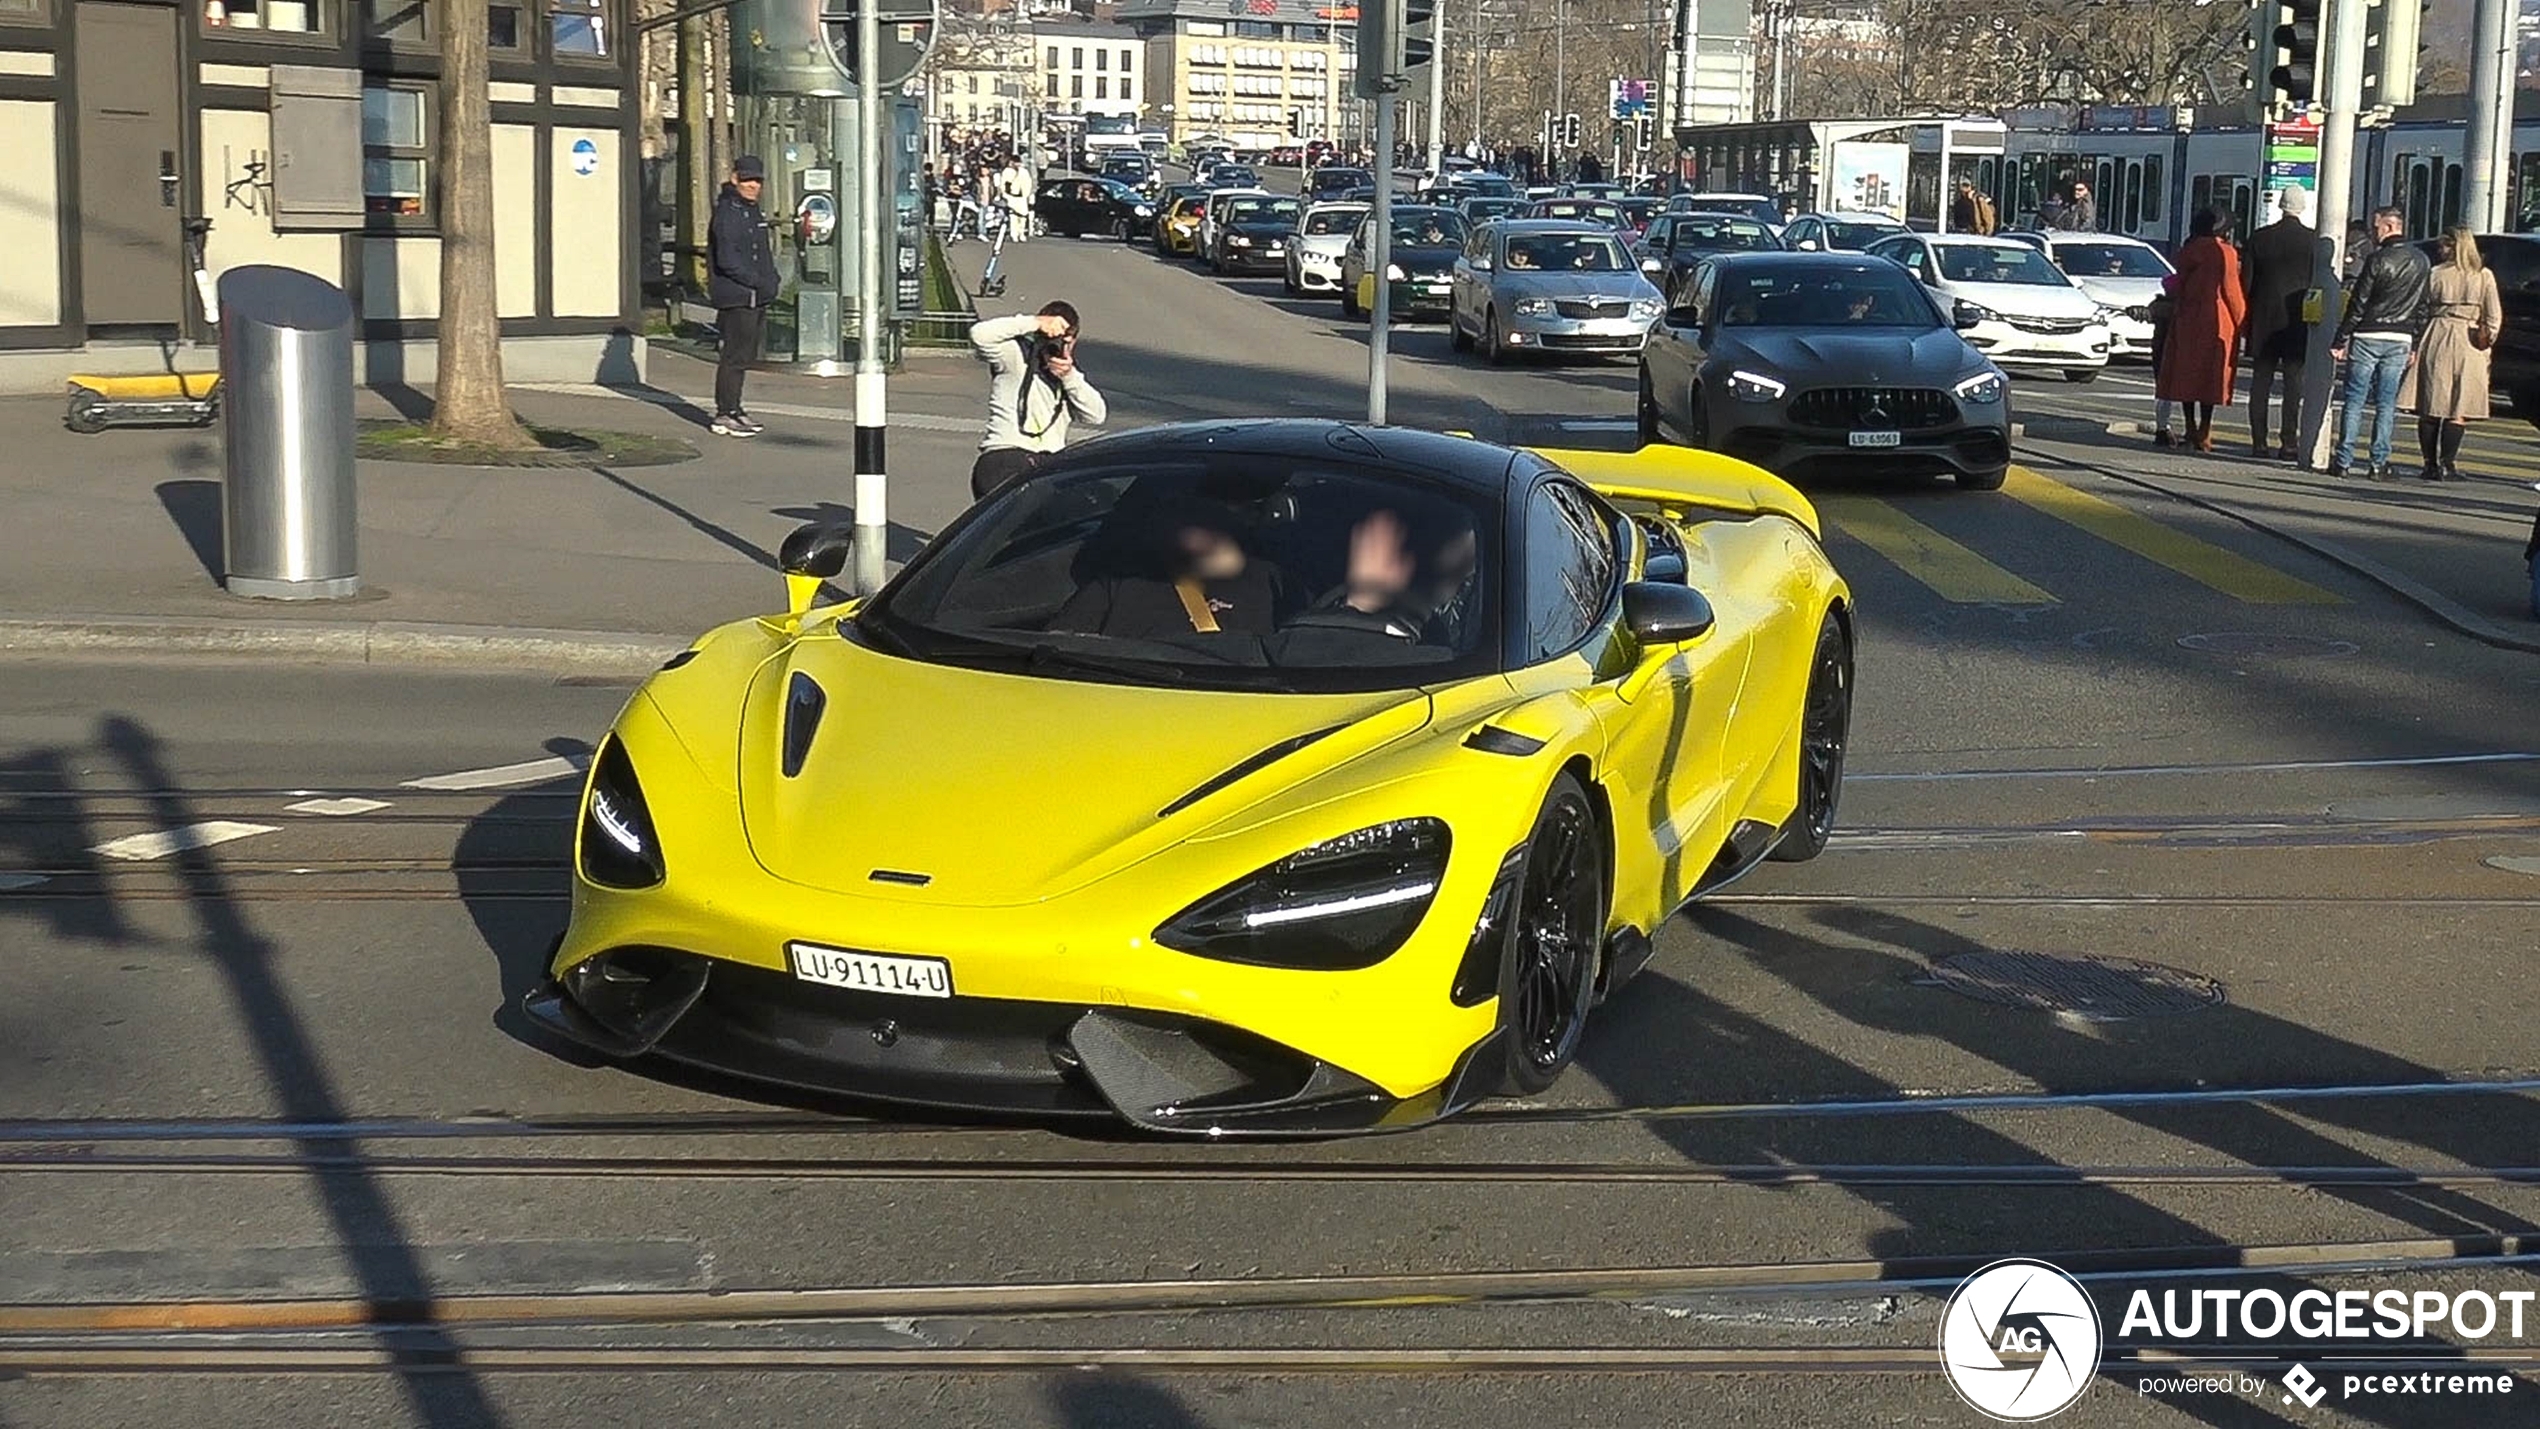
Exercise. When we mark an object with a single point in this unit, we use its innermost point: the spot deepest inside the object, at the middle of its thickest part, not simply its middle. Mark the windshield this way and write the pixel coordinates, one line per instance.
(1970, 263)
(1230, 572)
(1330, 180)
(1721, 233)
(1482, 209)
(1565, 253)
(2110, 260)
(1262, 210)
(1581, 211)
(1111, 124)
(1883, 296)
(1759, 209)
(1427, 228)
(1324, 222)
(1491, 184)
(1853, 237)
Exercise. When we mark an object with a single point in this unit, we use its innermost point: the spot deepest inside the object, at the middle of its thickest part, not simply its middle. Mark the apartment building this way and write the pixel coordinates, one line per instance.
(1246, 70)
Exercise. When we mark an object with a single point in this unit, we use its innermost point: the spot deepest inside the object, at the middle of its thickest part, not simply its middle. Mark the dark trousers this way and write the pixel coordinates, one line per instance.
(2265, 371)
(739, 329)
(998, 465)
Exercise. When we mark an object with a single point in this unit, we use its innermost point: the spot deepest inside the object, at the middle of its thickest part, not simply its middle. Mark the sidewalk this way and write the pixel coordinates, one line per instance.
(114, 539)
(2453, 549)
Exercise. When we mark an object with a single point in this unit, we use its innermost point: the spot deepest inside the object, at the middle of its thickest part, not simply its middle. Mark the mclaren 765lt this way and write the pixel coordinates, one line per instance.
(1231, 778)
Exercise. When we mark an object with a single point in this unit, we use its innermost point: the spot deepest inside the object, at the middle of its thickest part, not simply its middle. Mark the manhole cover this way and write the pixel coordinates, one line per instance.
(2259, 643)
(2098, 989)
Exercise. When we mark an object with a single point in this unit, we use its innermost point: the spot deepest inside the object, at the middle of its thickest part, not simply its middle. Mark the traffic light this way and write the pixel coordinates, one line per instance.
(2391, 28)
(1570, 131)
(2284, 61)
(1641, 134)
(1394, 38)
(1296, 123)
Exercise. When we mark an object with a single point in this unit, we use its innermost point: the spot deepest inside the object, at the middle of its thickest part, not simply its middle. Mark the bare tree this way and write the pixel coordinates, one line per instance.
(468, 402)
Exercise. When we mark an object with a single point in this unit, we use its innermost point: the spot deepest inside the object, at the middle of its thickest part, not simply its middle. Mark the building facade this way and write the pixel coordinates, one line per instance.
(1091, 67)
(1250, 71)
(306, 132)
(984, 80)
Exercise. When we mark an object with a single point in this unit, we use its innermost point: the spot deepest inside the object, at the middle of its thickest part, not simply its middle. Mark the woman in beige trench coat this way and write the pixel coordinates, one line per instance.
(2447, 385)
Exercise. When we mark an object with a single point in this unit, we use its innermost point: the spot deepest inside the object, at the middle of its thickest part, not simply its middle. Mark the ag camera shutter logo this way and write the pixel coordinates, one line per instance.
(2019, 1341)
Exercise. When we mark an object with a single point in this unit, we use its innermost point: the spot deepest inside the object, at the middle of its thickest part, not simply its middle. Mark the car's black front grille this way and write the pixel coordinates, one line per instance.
(1906, 409)
(1593, 307)
(2050, 325)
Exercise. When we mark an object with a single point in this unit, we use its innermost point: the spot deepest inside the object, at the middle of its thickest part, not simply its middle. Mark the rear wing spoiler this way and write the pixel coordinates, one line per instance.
(1685, 483)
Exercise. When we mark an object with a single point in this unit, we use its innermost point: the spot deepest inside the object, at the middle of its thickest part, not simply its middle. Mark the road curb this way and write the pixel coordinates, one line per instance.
(2408, 588)
(596, 652)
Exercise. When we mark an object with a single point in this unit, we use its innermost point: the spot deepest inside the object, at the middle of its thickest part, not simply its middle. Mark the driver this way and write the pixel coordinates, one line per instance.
(1400, 587)
(1520, 257)
(1198, 580)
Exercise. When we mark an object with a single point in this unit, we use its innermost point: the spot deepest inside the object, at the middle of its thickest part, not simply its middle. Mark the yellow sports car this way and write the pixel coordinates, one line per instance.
(1225, 777)
(1177, 232)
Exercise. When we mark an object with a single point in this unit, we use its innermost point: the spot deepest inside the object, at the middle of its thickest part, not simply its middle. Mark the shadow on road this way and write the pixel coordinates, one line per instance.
(1115, 1401)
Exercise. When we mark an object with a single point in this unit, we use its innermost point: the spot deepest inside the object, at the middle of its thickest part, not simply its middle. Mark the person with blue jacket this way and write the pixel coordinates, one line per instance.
(741, 267)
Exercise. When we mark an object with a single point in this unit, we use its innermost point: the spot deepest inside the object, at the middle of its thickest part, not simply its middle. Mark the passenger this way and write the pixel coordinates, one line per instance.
(1521, 257)
(1199, 581)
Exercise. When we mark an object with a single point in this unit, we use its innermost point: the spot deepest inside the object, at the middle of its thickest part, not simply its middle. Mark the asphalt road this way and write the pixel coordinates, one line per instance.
(2090, 728)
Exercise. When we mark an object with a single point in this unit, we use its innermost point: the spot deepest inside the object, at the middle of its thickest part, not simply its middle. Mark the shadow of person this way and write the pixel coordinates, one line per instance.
(1116, 1401)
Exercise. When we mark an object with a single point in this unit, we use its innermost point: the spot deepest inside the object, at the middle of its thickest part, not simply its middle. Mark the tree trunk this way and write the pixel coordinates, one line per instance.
(696, 154)
(468, 401)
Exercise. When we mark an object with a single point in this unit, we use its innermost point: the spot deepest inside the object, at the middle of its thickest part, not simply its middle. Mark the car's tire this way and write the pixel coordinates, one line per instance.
(1983, 480)
(1554, 939)
(1645, 412)
(1349, 299)
(2081, 374)
(1825, 731)
(1494, 349)
(1456, 336)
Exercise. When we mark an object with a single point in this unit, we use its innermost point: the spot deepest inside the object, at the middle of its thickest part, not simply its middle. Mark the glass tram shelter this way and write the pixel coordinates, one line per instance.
(1904, 168)
(794, 102)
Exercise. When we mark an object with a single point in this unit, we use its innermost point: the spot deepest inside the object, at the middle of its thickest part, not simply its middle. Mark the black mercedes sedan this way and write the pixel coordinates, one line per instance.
(1816, 363)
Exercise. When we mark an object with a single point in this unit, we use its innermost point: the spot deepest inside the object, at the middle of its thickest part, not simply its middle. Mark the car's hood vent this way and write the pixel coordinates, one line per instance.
(804, 704)
(1236, 771)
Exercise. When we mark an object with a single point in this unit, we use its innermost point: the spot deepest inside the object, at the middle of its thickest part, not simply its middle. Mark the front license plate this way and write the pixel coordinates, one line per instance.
(871, 972)
(1438, 290)
(1878, 439)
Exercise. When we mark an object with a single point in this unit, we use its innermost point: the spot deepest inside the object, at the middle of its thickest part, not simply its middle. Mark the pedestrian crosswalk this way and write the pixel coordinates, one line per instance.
(2024, 551)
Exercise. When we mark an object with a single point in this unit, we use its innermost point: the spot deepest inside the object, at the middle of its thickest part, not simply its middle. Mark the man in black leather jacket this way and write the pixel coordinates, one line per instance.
(2385, 314)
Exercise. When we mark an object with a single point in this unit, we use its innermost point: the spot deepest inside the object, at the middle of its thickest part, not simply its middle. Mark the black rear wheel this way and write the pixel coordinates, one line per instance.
(1825, 730)
(1555, 934)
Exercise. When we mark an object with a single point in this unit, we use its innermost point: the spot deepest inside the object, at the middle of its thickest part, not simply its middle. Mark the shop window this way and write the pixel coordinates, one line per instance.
(580, 27)
(286, 17)
(396, 140)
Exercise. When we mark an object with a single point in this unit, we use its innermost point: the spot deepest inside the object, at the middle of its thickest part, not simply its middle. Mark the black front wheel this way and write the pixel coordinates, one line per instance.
(1554, 936)
(1825, 730)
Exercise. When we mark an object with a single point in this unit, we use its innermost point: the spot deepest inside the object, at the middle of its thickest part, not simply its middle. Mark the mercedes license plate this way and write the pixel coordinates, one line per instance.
(1878, 439)
(1438, 290)
(871, 972)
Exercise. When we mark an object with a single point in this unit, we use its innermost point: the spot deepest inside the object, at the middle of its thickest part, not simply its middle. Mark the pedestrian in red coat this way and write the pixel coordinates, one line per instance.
(2197, 362)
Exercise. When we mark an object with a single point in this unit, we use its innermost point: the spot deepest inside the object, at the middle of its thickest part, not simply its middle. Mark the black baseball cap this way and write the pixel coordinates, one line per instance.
(749, 166)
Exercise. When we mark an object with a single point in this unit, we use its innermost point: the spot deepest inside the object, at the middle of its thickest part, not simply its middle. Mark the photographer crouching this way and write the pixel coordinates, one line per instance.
(1034, 391)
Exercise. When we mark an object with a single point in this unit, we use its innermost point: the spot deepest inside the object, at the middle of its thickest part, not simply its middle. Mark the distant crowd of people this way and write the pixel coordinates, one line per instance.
(983, 174)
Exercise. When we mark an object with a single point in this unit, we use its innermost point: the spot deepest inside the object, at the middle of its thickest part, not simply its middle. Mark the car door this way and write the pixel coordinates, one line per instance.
(1473, 269)
(1675, 350)
(1661, 710)
(1354, 257)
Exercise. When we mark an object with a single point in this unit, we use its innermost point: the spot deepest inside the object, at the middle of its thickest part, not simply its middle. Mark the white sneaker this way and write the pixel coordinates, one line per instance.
(732, 426)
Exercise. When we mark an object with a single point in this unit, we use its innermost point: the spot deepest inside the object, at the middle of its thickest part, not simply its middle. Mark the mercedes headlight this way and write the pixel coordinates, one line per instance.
(1393, 273)
(1755, 387)
(1646, 308)
(1348, 902)
(1531, 307)
(619, 848)
(1983, 387)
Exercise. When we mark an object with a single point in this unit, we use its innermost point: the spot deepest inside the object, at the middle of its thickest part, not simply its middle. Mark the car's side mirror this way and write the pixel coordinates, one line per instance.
(1652, 264)
(810, 555)
(1963, 316)
(1684, 315)
(1807, 245)
(1665, 613)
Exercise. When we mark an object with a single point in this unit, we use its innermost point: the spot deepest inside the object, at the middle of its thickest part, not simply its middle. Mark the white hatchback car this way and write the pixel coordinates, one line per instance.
(2124, 274)
(2014, 306)
(1314, 256)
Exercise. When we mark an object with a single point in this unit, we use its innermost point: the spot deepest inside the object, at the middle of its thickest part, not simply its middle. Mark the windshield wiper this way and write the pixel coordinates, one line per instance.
(1165, 673)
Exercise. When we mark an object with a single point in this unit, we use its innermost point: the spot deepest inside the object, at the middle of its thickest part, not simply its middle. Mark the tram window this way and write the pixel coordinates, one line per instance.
(2243, 197)
(2200, 193)
(2152, 190)
(2451, 195)
(2132, 216)
(2526, 207)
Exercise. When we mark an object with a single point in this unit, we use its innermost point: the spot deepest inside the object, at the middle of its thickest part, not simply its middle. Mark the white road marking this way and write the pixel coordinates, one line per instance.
(161, 843)
(505, 776)
(335, 808)
(12, 882)
(2287, 766)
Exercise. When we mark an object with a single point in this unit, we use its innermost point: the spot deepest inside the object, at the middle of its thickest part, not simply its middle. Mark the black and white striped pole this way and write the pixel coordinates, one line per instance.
(872, 488)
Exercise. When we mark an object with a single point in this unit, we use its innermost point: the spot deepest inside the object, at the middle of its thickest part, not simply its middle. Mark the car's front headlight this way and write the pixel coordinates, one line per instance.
(619, 848)
(1531, 307)
(1393, 273)
(1983, 387)
(1237, 240)
(1979, 311)
(1755, 387)
(1348, 902)
(1646, 308)
(1143, 211)
(2108, 314)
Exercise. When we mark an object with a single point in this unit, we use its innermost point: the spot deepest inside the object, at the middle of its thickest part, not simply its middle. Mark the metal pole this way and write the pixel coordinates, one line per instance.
(1561, 66)
(1380, 262)
(1437, 91)
(872, 501)
(1475, 45)
(2491, 102)
(2343, 40)
(1781, 58)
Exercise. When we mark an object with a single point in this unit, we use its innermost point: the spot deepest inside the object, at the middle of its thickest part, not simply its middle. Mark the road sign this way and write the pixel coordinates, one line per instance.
(1629, 98)
(2293, 155)
(908, 35)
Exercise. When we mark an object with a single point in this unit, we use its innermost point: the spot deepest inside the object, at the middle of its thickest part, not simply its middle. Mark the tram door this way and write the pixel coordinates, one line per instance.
(2427, 189)
(2237, 193)
(2131, 196)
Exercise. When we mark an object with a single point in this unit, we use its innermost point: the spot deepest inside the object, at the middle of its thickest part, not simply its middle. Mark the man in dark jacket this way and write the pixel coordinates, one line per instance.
(2276, 268)
(2386, 309)
(742, 282)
